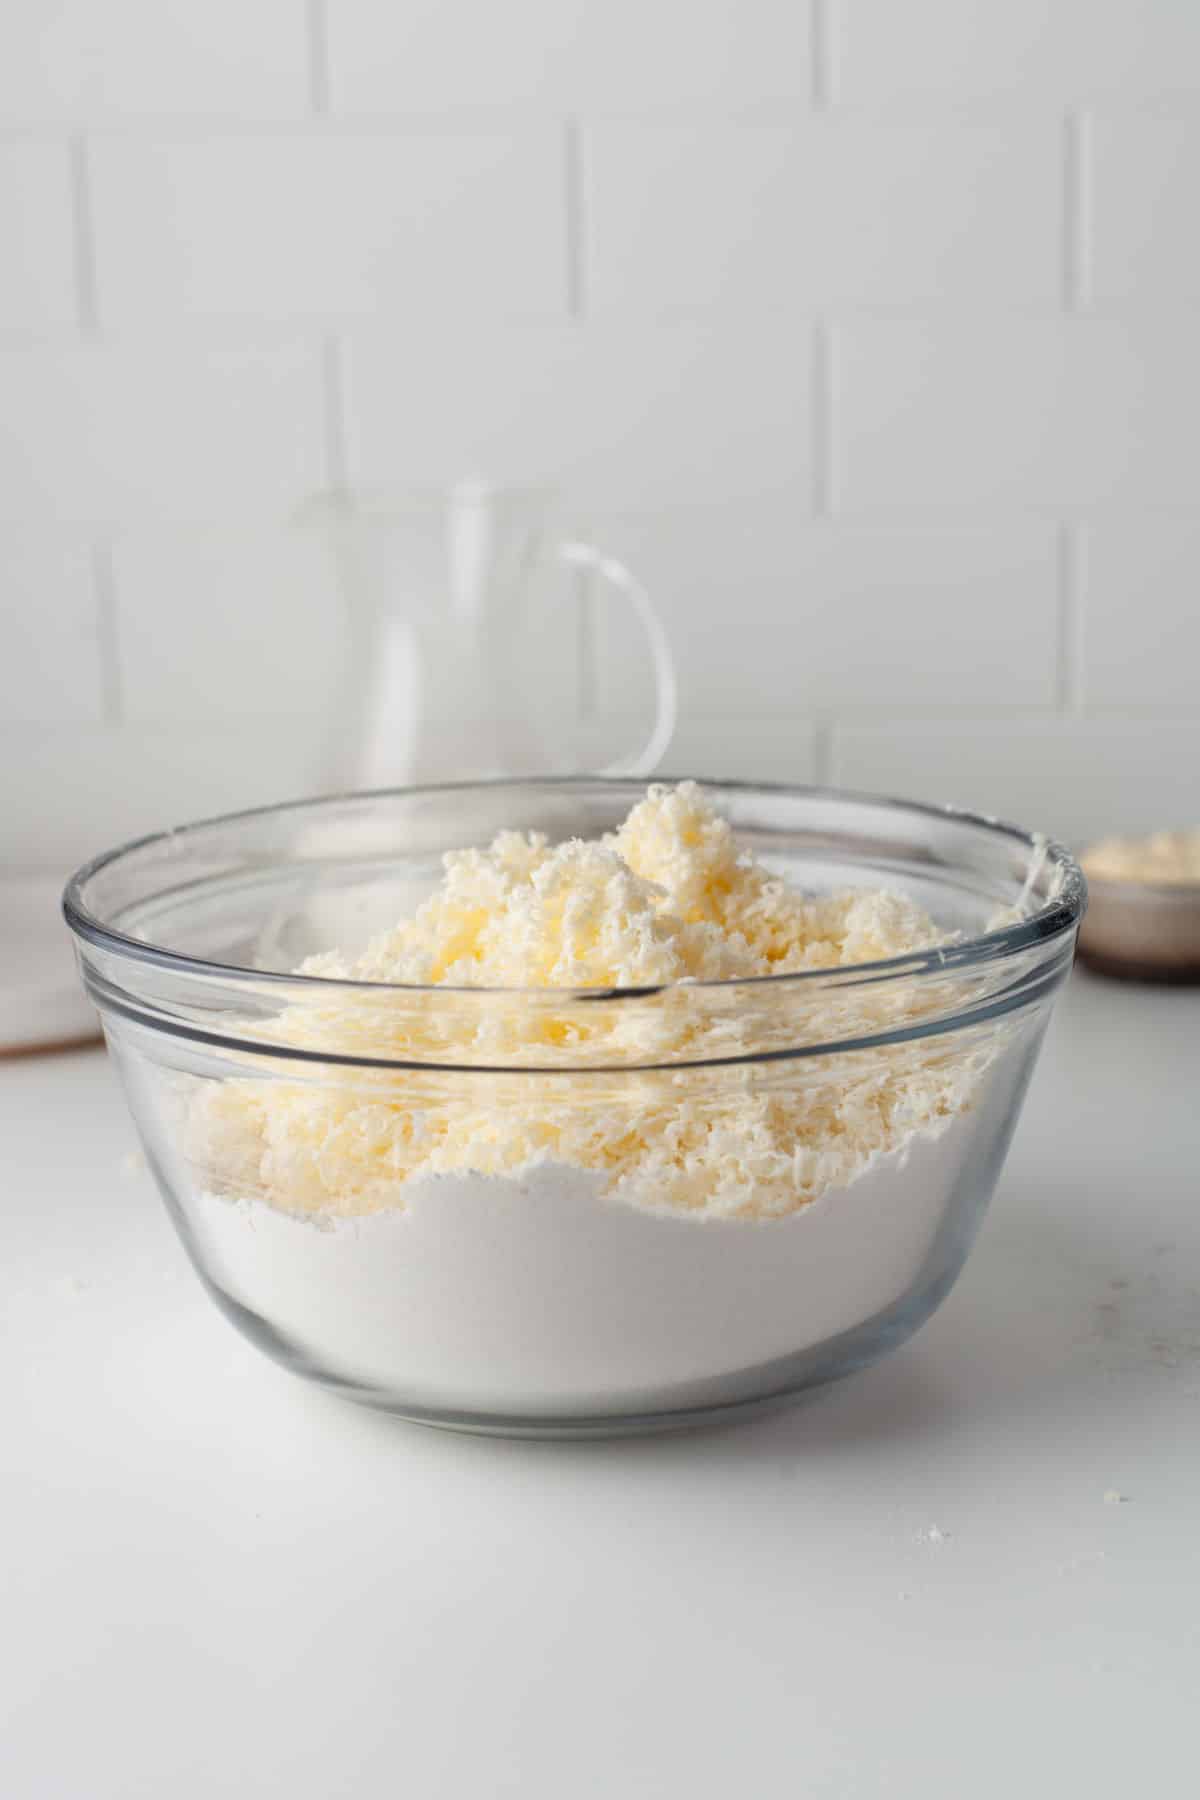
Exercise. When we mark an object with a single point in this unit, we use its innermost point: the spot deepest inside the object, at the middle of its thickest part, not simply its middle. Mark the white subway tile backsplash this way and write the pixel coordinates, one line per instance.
(328, 224)
(829, 617)
(620, 417)
(1074, 779)
(833, 210)
(564, 54)
(49, 647)
(228, 625)
(37, 266)
(97, 432)
(254, 624)
(1060, 50)
(81, 59)
(1141, 638)
(1144, 188)
(881, 373)
(69, 794)
(997, 414)
(757, 746)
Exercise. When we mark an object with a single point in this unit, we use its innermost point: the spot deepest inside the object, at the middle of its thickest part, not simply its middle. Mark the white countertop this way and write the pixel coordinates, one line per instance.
(216, 1580)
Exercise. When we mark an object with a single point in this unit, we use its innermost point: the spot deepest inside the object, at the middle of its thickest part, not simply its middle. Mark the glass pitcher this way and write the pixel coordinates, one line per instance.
(435, 583)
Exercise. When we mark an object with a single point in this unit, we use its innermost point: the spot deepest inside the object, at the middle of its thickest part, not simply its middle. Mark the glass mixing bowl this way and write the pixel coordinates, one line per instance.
(408, 1194)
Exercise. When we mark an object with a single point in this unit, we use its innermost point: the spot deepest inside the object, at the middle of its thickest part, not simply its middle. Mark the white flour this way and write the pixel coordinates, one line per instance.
(536, 1294)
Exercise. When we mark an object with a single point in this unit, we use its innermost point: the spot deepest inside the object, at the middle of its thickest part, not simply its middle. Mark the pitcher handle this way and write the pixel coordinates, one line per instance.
(666, 688)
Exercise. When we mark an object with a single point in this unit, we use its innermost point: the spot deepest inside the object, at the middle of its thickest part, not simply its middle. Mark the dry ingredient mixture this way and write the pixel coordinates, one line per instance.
(1166, 858)
(583, 1234)
(666, 902)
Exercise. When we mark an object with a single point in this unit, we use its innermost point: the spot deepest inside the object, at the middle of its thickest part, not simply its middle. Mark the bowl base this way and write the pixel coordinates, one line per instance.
(739, 1395)
(795, 1379)
(598, 1427)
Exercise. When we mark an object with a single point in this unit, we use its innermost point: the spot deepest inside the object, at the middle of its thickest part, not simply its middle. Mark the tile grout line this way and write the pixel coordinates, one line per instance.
(317, 20)
(84, 237)
(1076, 213)
(1071, 566)
(104, 589)
(334, 415)
(820, 26)
(821, 439)
(576, 206)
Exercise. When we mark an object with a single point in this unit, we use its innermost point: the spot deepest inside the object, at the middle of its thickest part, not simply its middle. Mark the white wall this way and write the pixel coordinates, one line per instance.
(868, 330)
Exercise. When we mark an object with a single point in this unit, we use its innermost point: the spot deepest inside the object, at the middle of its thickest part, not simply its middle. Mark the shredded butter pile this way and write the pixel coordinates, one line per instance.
(668, 897)
(668, 900)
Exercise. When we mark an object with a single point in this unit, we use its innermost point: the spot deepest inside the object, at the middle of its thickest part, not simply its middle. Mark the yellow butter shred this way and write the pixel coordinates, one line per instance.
(667, 900)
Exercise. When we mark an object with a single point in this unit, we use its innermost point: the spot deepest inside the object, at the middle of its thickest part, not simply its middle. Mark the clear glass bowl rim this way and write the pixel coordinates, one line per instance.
(1061, 914)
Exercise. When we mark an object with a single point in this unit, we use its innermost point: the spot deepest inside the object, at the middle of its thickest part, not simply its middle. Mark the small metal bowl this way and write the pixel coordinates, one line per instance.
(1141, 930)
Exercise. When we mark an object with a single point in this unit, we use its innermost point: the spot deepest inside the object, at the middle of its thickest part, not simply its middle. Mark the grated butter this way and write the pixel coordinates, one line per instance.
(666, 901)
